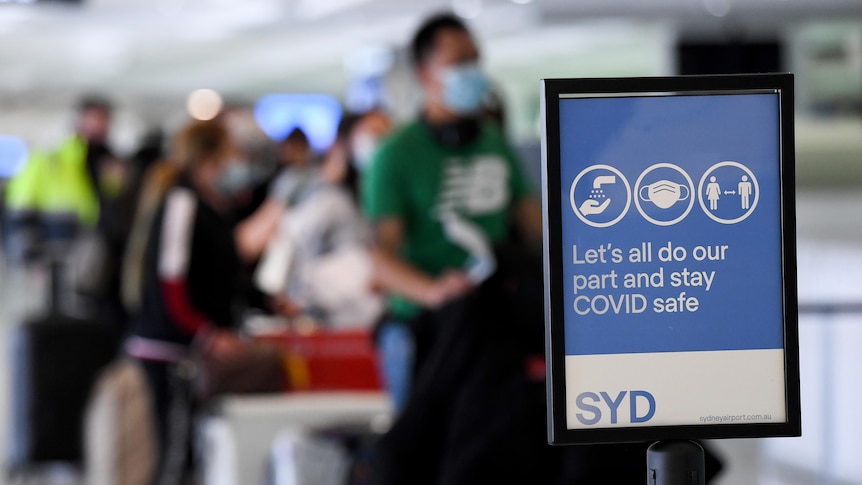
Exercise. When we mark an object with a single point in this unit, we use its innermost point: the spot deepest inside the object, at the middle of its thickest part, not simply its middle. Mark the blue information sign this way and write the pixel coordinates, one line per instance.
(670, 285)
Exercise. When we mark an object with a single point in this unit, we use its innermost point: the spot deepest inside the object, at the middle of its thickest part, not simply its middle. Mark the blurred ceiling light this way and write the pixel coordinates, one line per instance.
(101, 51)
(467, 9)
(317, 114)
(370, 60)
(717, 8)
(204, 104)
(522, 2)
(14, 16)
(197, 31)
(314, 9)
(169, 8)
(223, 20)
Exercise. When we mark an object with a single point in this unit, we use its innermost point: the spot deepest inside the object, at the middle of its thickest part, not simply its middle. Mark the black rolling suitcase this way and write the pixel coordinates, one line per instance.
(55, 361)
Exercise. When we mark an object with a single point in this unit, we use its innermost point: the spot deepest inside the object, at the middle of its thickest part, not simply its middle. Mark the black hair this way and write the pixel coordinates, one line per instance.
(93, 101)
(346, 124)
(426, 37)
(297, 135)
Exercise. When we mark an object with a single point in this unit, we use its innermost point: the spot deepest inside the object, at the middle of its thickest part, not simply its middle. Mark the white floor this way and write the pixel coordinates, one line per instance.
(830, 234)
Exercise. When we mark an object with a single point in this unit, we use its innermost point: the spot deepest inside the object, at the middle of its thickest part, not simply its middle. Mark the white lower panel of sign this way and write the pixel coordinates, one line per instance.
(675, 388)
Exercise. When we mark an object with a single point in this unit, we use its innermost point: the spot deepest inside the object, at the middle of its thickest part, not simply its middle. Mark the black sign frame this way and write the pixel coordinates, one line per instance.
(553, 205)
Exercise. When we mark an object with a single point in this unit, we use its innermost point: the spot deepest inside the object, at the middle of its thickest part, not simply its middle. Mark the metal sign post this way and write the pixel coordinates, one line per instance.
(675, 463)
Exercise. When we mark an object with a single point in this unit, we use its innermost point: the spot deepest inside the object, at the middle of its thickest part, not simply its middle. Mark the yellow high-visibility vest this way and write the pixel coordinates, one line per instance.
(56, 183)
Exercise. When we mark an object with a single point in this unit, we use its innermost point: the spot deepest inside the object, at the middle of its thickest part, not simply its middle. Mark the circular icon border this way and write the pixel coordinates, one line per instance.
(750, 210)
(690, 189)
(583, 217)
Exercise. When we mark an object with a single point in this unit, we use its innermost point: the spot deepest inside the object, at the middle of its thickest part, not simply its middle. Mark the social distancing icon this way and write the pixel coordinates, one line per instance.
(728, 192)
(664, 194)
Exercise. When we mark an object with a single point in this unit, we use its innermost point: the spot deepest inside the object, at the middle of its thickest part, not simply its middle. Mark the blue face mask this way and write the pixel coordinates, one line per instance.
(364, 148)
(464, 88)
(234, 178)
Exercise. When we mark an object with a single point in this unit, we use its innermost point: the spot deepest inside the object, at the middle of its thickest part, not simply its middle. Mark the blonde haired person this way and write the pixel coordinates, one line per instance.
(156, 181)
(190, 262)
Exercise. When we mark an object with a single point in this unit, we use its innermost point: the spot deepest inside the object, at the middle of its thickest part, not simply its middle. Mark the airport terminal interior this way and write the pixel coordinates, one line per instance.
(271, 72)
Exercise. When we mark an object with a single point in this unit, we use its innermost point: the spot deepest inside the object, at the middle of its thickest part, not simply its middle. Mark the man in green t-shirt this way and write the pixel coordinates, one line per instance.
(441, 192)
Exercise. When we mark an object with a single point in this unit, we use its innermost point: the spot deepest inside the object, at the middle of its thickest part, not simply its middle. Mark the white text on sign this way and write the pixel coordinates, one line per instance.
(586, 283)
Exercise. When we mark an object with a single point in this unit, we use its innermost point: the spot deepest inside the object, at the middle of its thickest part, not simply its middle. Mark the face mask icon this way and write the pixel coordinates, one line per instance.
(664, 193)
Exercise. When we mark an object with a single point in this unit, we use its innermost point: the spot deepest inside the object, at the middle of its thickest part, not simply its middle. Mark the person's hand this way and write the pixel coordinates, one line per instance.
(224, 343)
(447, 287)
(286, 307)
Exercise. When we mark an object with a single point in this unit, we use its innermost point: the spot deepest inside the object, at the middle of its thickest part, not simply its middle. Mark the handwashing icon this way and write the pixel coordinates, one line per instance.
(600, 195)
(592, 206)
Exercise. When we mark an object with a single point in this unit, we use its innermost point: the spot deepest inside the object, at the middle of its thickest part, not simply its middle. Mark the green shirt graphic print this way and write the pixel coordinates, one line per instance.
(414, 179)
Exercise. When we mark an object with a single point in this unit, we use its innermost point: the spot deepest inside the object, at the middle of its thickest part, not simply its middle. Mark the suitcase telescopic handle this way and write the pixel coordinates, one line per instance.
(55, 279)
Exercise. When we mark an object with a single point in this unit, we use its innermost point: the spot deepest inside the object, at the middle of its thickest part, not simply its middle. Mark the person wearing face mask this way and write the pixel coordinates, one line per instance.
(442, 194)
(449, 173)
(190, 267)
(324, 237)
(236, 178)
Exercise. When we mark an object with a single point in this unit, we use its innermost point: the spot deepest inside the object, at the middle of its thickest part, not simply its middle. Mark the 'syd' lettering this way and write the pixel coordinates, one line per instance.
(592, 405)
